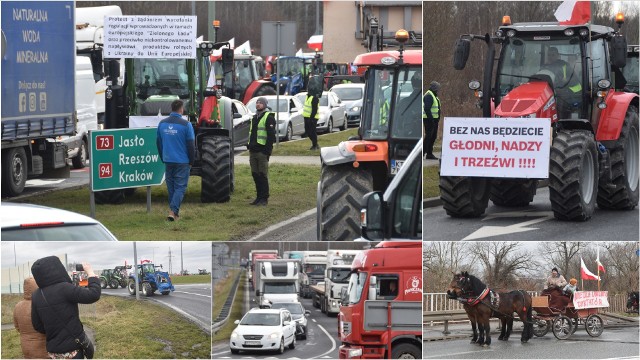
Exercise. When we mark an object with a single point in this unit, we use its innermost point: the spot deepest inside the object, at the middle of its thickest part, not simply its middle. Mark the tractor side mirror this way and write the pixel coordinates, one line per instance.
(461, 53)
(227, 60)
(371, 216)
(619, 51)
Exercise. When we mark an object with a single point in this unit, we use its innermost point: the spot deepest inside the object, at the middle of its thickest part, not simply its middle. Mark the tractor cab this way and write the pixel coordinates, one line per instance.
(630, 71)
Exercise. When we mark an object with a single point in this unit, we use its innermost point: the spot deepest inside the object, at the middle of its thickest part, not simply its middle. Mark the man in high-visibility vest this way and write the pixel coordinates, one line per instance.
(262, 135)
(431, 118)
(311, 115)
(566, 82)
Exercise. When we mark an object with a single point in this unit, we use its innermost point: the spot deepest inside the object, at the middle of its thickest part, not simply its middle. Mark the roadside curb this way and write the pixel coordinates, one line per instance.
(282, 224)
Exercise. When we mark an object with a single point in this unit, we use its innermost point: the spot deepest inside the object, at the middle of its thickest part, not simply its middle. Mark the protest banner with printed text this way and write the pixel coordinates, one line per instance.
(496, 147)
(590, 299)
(145, 36)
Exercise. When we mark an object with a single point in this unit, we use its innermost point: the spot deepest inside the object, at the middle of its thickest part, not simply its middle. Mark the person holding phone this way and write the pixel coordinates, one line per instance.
(54, 308)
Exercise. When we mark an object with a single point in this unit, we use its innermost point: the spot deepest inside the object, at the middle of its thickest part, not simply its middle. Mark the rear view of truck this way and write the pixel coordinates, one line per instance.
(38, 69)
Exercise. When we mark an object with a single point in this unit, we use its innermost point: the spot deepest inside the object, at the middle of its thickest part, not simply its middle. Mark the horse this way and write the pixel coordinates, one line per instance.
(482, 303)
(632, 302)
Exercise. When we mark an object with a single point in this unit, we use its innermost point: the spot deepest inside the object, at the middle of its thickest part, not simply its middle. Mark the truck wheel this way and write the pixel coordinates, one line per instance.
(513, 192)
(113, 284)
(340, 196)
(131, 286)
(146, 289)
(622, 192)
(216, 167)
(80, 160)
(573, 175)
(405, 351)
(103, 283)
(14, 171)
(464, 196)
(109, 197)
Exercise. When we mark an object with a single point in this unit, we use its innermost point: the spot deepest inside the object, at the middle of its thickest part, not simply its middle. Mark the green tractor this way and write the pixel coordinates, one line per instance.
(151, 85)
(114, 277)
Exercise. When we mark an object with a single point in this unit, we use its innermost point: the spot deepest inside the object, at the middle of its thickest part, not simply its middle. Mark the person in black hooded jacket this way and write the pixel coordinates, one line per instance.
(56, 312)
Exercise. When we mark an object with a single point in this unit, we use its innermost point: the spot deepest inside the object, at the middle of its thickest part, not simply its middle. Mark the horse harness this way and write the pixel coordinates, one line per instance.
(493, 302)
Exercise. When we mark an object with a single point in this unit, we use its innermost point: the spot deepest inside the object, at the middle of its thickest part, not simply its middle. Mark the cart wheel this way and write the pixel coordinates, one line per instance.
(541, 327)
(594, 325)
(562, 327)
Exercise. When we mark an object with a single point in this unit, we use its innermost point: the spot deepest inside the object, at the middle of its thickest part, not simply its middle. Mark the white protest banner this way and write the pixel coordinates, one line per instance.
(143, 36)
(496, 147)
(590, 299)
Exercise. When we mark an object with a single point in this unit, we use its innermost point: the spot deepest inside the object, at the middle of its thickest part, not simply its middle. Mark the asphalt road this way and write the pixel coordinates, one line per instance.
(616, 343)
(531, 223)
(192, 301)
(322, 339)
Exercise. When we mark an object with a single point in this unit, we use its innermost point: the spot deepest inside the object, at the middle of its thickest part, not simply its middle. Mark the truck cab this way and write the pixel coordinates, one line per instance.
(276, 281)
(385, 288)
(312, 267)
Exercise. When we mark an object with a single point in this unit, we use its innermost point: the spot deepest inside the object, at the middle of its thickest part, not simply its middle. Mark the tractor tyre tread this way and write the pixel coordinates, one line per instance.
(216, 170)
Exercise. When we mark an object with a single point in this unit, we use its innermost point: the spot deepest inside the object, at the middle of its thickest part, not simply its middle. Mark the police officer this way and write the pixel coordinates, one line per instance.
(262, 135)
(431, 118)
(311, 116)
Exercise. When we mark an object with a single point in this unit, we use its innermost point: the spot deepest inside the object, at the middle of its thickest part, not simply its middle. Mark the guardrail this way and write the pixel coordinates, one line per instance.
(444, 316)
(222, 318)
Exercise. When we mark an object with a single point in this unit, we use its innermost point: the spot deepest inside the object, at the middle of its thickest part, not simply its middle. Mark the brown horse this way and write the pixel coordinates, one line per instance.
(482, 303)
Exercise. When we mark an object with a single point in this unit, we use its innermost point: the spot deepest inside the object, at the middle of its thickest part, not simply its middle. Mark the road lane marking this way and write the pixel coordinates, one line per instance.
(202, 324)
(190, 293)
(489, 231)
(333, 342)
(314, 320)
(43, 182)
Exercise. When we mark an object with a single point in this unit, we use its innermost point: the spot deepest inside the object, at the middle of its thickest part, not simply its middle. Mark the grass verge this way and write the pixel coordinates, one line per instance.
(9, 302)
(125, 328)
(191, 279)
(221, 292)
(301, 147)
(236, 312)
(430, 182)
(198, 221)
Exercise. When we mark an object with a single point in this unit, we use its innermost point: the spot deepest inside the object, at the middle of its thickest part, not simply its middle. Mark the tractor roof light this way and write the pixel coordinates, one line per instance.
(216, 24)
(620, 18)
(402, 36)
(569, 32)
(506, 20)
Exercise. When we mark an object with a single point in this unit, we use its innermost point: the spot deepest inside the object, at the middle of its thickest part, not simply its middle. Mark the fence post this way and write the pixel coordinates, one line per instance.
(446, 328)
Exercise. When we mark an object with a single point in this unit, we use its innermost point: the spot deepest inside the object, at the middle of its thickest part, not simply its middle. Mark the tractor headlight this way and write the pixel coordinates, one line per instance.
(511, 33)
(604, 84)
(569, 32)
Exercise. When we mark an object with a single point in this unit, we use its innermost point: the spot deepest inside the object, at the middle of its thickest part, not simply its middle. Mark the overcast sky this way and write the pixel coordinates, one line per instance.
(103, 255)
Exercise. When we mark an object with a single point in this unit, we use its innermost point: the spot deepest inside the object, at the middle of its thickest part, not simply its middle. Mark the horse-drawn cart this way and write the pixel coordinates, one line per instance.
(565, 321)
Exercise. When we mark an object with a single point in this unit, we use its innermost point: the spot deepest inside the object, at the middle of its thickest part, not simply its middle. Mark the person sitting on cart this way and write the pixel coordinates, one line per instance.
(555, 280)
(570, 288)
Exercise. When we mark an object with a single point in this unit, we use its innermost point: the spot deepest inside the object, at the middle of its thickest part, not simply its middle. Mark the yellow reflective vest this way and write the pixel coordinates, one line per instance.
(306, 111)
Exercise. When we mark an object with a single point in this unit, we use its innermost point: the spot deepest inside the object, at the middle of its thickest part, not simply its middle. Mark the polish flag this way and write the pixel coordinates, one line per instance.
(573, 12)
(585, 273)
(600, 266)
(145, 261)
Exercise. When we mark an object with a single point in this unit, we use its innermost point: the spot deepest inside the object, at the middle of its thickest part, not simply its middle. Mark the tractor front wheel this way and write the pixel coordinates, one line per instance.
(216, 170)
(146, 289)
(103, 283)
(131, 286)
(113, 284)
(464, 196)
(340, 195)
(622, 192)
(573, 175)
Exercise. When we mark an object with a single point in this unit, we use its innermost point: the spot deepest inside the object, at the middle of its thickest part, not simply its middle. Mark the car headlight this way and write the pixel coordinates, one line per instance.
(355, 108)
(234, 335)
(275, 335)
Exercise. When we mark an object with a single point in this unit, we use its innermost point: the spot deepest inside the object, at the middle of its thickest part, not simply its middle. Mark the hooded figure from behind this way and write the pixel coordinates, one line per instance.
(58, 316)
(32, 342)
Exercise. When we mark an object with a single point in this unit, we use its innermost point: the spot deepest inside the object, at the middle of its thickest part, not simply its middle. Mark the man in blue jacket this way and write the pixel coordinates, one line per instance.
(176, 146)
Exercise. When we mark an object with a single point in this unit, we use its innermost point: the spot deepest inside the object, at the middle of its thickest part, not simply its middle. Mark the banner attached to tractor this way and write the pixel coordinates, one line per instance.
(501, 148)
(590, 299)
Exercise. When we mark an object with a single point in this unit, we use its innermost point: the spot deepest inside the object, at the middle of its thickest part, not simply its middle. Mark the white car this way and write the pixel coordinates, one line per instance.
(264, 329)
(351, 95)
(241, 123)
(291, 121)
(298, 313)
(26, 222)
(332, 112)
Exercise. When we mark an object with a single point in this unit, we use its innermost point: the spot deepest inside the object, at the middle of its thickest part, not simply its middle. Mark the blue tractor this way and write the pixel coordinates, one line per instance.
(150, 280)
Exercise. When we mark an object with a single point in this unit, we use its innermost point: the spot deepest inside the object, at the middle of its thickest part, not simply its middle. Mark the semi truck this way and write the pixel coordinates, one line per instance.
(38, 90)
(381, 314)
(276, 280)
(326, 294)
(312, 266)
(254, 255)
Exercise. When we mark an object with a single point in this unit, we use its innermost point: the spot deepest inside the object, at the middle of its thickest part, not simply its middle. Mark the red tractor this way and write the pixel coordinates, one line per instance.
(390, 127)
(572, 75)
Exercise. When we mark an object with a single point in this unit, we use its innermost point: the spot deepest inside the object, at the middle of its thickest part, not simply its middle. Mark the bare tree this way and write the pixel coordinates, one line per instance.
(561, 255)
(621, 264)
(503, 262)
(440, 260)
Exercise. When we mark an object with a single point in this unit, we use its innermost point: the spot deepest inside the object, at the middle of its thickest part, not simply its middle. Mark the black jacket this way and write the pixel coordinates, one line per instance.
(253, 145)
(60, 320)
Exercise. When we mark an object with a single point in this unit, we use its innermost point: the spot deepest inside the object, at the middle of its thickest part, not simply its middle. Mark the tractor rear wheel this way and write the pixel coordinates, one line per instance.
(573, 175)
(464, 196)
(216, 169)
(510, 192)
(340, 195)
(109, 196)
(622, 192)
(146, 289)
(113, 284)
(131, 286)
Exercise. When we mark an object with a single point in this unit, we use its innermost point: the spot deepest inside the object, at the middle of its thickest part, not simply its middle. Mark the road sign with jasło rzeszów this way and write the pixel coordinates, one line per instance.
(125, 158)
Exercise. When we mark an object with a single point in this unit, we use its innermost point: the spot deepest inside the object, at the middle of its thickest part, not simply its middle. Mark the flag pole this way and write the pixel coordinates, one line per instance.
(598, 266)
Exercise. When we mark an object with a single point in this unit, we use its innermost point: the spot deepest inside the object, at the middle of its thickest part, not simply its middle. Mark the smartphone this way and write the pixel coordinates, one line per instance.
(79, 267)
